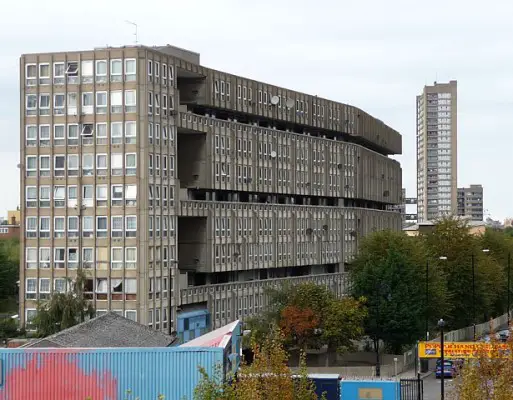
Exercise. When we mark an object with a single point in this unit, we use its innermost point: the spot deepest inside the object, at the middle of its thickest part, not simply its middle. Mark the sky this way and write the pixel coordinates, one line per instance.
(374, 54)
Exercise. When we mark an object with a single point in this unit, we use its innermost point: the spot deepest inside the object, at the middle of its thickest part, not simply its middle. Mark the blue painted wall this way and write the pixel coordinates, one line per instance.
(192, 324)
(350, 390)
(103, 374)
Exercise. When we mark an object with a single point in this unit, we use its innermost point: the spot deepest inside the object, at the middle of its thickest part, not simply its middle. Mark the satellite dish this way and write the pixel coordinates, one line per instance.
(273, 154)
(275, 100)
(289, 103)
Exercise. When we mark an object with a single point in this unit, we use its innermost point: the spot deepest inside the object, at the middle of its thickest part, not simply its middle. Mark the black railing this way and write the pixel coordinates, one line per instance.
(412, 389)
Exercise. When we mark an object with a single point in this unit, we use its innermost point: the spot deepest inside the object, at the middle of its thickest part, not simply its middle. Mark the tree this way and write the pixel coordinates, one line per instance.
(452, 239)
(298, 324)
(488, 376)
(9, 268)
(312, 317)
(64, 310)
(268, 377)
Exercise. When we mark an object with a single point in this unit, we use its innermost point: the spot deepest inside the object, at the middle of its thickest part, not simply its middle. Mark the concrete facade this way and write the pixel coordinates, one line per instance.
(179, 187)
(470, 202)
(437, 146)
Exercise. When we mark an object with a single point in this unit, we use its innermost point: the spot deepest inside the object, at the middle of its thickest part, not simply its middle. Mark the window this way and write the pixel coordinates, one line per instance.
(150, 133)
(72, 103)
(87, 164)
(44, 104)
(101, 195)
(59, 165)
(86, 71)
(150, 70)
(59, 196)
(131, 257)
(59, 104)
(31, 104)
(44, 196)
(116, 132)
(87, 226)
(157, 69)
(239, 92)
(72, 258)
(73, 164)
(44, 74)
(59, 227)
(130, 286)
(31, 196)
(31, 74)
(59, 257)
(171, 73)
(130, 195)
(130, 132)
(72, 226)
(101, 102)
(31, 166)
(101, 133)
(59, 285)
(101, 164)
(44, 227)
(117, 226)
(131, 315)
(101, 226)
(116, 70)
(72, 135)
(130, 69)
(87, 103)
(150, 163)
(101, 71)
(44, 165)
(88, 195)
(150, 103)
(116, 260)
(72, 196)
(59, 135)
(116, 102)
(88, 257)
(44, 135)
(164, 105)
(31, 135)
(131, 226)
(116, 164)
(130, 101)
(31, 257)
(44, 257)
(58, 73)
(157, 104)
(31, 288)
(130, 164)
(116, 195)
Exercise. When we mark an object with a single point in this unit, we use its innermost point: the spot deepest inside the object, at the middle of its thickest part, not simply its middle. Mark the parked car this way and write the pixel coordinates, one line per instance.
(450, 369)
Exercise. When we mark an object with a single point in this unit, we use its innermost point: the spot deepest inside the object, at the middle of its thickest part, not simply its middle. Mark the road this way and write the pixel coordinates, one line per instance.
(432, 388)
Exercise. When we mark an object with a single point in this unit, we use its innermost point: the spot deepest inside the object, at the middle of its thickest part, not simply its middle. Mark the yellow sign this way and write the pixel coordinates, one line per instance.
(370, 394)
(463, 349)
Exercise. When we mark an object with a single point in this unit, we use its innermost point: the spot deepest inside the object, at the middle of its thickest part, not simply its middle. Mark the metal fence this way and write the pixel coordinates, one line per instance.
(412, 389)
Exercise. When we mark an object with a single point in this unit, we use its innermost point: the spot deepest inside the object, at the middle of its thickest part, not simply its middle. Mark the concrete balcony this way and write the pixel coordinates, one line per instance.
(236, 300)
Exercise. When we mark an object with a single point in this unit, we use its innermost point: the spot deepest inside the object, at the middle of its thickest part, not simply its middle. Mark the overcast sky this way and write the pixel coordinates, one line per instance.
(374, 54)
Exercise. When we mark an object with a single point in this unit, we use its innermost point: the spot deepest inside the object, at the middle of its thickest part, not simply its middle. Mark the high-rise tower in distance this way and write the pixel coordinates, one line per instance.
(437, 145)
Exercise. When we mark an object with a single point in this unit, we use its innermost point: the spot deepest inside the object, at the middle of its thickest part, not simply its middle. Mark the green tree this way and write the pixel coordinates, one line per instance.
(452, 239)
(64, 310)
(390, 272)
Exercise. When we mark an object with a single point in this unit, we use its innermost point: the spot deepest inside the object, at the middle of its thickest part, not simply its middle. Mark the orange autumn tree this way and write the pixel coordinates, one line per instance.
(298, 324)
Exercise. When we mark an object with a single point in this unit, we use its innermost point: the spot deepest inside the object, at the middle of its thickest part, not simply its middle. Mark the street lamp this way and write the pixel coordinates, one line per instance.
(426, 311)
(441, 325)
(379, 291)
(474, 293)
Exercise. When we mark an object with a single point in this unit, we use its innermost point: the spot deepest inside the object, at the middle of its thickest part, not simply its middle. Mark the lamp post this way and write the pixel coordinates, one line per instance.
(426, 310)
(474, 294)
(441, 325)
(379, 292)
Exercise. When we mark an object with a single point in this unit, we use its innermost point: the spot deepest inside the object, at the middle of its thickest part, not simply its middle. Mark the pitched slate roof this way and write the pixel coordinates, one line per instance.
(108, 330)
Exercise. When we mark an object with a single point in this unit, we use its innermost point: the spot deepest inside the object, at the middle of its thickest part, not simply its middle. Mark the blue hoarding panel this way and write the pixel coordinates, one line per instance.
(369, 390)
(104, 374)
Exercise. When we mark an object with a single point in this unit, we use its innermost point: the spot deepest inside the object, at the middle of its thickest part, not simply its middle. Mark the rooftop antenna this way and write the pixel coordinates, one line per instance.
(135, 34)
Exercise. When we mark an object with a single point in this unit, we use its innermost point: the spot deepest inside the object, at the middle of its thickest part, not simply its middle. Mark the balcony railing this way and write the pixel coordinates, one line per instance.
(236, 300)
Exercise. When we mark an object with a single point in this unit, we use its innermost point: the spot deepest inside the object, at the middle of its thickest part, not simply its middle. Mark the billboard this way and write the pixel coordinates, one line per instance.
(463, 349)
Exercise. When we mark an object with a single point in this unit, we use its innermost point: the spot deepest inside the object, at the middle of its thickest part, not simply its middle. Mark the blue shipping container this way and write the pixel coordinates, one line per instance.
(370, 390)
(104, 374)
(327, 384)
